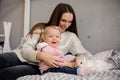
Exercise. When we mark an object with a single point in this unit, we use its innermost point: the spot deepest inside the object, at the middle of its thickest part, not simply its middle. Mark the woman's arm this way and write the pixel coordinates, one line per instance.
(28, 48)
(76, 45)
(29, 53)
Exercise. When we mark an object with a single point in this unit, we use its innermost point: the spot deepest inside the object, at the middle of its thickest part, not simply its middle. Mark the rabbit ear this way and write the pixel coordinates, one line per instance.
(82, 54)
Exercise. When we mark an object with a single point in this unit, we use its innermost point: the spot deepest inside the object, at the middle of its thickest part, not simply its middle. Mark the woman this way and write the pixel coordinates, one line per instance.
(20, 61)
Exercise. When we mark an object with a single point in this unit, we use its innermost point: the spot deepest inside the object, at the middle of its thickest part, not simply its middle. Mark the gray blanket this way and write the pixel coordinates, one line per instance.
(108, 75)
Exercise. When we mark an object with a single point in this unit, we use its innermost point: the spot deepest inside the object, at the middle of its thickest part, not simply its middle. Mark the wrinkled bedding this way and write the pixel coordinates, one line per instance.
(113, 74)
(110, 75)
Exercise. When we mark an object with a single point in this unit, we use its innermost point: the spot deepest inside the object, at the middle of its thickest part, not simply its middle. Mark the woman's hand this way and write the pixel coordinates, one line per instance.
(49, 58)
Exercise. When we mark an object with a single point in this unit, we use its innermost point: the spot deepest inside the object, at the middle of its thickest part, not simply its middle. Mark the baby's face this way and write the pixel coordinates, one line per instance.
(52, 37)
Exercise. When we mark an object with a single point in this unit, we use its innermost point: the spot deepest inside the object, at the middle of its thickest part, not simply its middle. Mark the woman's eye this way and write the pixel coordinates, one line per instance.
(63, 20)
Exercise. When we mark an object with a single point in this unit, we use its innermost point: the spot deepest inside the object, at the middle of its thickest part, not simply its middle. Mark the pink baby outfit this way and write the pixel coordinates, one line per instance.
(44, 47)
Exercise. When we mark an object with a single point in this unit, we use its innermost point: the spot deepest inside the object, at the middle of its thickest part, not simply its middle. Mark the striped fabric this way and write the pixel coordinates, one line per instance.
(113, 74)
(110, 75)
(115, 59)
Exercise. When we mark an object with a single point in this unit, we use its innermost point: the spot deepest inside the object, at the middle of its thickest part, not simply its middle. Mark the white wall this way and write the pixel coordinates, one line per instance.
(12, 11)
(98, 20)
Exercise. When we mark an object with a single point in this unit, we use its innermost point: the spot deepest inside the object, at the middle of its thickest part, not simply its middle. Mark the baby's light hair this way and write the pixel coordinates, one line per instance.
(46, 28)
(52, 26)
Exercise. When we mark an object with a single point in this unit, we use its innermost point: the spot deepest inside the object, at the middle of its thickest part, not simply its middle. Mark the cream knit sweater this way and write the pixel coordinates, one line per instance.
(69, 43)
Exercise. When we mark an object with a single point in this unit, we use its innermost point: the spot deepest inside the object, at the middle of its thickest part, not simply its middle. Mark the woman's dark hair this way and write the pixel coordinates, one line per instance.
(55, 18)
(57, 13)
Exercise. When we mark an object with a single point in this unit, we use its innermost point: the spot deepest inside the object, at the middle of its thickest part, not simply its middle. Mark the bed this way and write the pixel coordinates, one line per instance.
(113, 74)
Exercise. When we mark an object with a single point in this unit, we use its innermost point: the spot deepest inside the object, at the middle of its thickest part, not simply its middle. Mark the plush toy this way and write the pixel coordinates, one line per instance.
(89, 64)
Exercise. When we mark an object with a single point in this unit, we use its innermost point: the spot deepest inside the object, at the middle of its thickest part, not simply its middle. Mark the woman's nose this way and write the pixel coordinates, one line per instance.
(66, 24)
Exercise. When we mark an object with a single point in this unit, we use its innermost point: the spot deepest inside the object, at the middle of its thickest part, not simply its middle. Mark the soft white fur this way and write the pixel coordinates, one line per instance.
(96, 65)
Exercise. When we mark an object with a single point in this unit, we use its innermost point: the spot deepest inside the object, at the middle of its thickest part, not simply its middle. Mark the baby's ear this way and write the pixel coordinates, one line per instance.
(43, 38)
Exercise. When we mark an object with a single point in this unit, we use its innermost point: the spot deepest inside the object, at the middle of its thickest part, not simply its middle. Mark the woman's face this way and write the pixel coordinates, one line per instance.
(65, 21)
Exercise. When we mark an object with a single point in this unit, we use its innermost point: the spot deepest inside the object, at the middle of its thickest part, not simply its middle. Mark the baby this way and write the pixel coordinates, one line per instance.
(50, 41)
(89, 64)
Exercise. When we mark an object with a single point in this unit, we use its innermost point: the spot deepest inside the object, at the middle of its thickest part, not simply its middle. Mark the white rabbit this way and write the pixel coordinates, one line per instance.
(96, 65)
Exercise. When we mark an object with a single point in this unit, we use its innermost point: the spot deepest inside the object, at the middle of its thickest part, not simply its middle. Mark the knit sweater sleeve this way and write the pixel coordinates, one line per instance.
(76, 46)
(28, 48)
